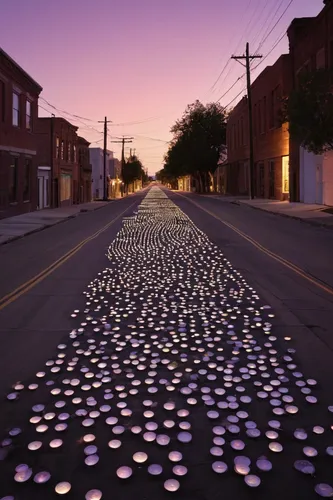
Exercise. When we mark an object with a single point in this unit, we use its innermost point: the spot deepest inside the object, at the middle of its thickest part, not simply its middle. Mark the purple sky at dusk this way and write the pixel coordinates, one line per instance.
(139, 60)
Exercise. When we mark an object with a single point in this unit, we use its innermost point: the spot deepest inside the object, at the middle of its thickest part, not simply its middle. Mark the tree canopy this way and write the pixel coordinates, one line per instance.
(309, 111)
(133, 170)
(199, 141)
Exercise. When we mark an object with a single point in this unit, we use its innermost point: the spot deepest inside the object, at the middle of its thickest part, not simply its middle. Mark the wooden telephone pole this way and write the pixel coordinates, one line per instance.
(123, 140)
(248, 58)
(105, 192)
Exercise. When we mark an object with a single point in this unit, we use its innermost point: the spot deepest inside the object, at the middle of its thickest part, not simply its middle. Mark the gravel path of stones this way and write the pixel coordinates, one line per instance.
(170, 383)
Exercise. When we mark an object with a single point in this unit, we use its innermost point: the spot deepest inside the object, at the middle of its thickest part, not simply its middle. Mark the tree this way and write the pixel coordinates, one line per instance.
(133, 170)
(309, 111)
(198, 143)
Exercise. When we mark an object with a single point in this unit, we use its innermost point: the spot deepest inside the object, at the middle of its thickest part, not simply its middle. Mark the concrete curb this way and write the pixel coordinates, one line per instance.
(306, 221)
(46, 226)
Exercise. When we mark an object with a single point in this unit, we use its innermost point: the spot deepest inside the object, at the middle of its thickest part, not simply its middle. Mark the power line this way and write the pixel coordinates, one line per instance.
(66, 112)
(277, 22)
(271, 50)
(266, 21)
(234, 99)
(227, 91)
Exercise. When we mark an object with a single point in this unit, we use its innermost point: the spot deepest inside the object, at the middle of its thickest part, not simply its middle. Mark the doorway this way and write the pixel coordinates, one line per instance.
(43, 187)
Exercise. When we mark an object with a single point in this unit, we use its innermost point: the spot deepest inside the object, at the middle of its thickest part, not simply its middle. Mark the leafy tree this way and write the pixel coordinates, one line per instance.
(198, 143)
(133, 170)
(309, 111)
(165, 177)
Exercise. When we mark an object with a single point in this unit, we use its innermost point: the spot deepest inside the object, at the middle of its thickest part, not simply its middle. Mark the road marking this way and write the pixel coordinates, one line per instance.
(25, 287)
(265, 250)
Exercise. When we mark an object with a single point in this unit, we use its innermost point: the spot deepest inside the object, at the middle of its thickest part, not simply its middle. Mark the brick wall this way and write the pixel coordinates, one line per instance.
(310, 47)
(270, 137)
(65, 156)
(18, 143)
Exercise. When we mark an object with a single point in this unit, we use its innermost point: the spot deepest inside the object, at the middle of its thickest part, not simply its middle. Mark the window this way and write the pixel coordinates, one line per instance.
(320, 59)
(62, 150)
(13, 179)
(27, 179)
(28, 120)
(259, 118)
(285, 174)
(74, 153)
(69, 151)
(57, 146)
(264, 115)
(2, 101)
(16, 109)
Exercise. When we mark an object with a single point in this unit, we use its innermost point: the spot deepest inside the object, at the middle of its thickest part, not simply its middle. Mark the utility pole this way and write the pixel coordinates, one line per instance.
(106, 121)
(248, 58)
(51, 194)
(123, 140)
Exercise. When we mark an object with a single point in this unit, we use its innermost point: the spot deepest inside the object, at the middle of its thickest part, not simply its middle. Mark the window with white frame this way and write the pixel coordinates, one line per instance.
(28, 119)
(16, 109)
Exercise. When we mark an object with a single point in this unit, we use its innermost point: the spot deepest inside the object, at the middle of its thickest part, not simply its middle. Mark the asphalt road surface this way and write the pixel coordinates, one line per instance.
(167, 324)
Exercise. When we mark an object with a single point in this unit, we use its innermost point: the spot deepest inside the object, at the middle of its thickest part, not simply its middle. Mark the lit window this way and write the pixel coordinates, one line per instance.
(16, 109)
(28, 120)
(69, 151)
(57, 147)
(285, 174)
(74, 153)
(62, 150)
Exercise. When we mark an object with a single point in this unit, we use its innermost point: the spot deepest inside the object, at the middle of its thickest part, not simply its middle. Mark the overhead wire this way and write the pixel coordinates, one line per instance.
(277, 22)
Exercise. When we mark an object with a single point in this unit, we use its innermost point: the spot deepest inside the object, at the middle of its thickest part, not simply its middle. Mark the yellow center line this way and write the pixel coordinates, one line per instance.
(25, 287)
(265, 250)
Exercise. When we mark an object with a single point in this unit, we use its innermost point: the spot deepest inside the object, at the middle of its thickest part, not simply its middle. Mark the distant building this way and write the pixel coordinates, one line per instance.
(115, 179)
(311, 48)
(85, 171)
(18, 148)
(270, 136)
(58, 168)
(97, 163)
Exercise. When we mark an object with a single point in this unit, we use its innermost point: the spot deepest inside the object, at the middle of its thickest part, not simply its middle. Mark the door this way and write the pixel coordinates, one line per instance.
(40, 193)
(319, 183)
(261, 180)
(272, 179)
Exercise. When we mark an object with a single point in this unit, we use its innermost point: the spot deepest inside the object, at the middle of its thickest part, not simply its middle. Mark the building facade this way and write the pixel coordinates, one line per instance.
(58, 167)
(85, 170)
(270, 137)
(311, 48)
(115, 184)
(98, 179)
(236, 169)
(18, 146)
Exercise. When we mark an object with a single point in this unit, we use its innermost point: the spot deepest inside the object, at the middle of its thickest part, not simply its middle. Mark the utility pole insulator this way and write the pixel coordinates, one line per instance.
(248, 58)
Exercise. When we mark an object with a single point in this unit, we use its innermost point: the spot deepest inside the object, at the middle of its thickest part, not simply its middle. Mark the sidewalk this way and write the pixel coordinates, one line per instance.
(311, 214)
(13, 228)
(314, 214)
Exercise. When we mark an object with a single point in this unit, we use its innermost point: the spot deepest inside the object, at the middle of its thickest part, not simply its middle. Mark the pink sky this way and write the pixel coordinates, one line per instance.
(140, 60)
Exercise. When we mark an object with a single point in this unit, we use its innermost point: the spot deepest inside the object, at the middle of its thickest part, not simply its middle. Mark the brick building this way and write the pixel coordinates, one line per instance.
(270, 137)
(85, 170)
(58, 167)
(311, 48)
(18, 114)
(236, 168)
